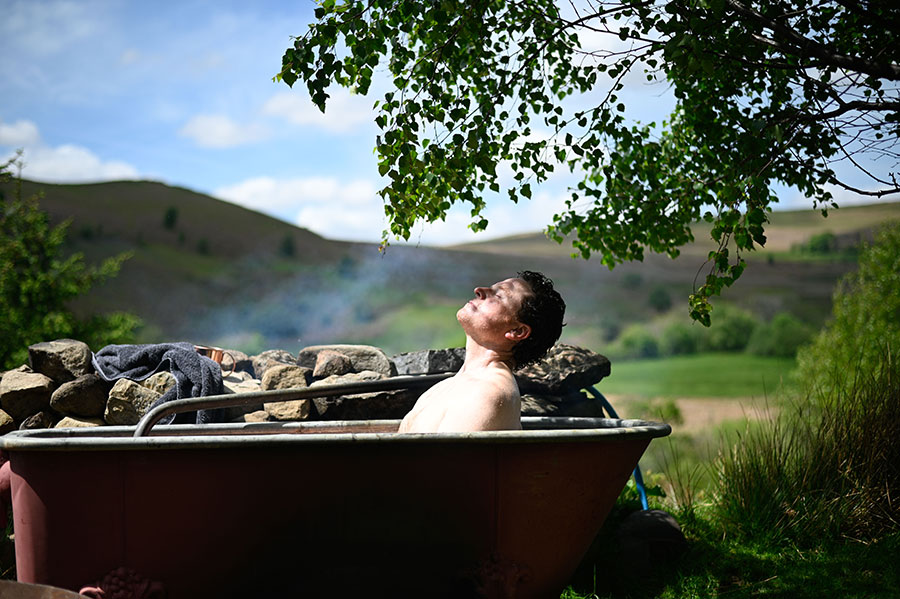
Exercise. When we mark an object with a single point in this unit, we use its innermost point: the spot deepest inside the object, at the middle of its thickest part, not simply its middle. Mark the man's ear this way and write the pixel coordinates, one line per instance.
(520, 333)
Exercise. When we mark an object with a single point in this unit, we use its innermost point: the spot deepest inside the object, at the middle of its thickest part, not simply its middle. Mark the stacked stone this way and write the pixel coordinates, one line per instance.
(59, 388)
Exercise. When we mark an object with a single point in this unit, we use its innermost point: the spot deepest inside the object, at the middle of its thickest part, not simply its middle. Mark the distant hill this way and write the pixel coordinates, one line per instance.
(785, 230)
(212, 272)
(135, 213)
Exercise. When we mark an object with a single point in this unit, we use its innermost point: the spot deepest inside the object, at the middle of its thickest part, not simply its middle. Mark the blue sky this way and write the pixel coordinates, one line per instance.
(182, 92)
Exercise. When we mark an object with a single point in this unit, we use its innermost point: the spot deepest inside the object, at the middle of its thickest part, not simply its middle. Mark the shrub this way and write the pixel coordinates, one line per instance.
(659, 299)
(865, 313)
(781, 337)
(680, 338)
(827, 469)
(37, 281)
(730, 330)
(287, 248)
(632, 280)
(636, 342)
(170, 218)
(822, 243)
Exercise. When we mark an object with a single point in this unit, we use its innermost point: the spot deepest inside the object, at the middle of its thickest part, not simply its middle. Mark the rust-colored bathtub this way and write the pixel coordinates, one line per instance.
(308, 509)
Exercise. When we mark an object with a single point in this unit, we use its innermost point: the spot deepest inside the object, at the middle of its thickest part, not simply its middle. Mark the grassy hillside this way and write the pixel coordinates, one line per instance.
(211, 272)
(784, 230)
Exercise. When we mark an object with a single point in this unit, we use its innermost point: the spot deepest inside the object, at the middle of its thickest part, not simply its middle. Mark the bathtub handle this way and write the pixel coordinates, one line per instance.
(229, 400)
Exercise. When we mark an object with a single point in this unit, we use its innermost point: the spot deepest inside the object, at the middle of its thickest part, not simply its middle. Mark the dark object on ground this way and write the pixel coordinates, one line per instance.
(650, 540)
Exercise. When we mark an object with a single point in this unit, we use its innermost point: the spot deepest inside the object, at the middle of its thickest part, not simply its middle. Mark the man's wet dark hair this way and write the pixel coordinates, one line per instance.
(543, 310)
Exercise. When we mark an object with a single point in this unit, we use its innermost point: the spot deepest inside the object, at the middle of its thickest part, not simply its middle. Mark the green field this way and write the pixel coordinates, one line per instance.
(715, 375)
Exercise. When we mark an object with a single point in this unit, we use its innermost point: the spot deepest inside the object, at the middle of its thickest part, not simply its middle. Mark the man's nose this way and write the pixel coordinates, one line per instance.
(481, 292)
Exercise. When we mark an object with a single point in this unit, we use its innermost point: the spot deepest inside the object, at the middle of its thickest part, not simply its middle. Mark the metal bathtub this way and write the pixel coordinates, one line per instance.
(308, 509)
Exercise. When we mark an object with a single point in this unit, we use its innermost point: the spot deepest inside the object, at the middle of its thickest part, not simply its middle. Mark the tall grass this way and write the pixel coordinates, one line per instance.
(830, 468)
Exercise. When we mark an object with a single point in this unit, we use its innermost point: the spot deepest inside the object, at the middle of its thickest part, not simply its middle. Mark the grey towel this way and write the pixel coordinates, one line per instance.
(195, 375)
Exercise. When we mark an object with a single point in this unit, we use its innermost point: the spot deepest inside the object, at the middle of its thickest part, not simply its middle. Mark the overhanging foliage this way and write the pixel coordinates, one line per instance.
(767, 92)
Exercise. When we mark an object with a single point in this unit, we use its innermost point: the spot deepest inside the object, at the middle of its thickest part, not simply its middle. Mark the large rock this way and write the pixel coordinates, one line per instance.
(84, 397)
(564, 369)
(269, 358)
(43, 419)
(649, 542)
(331, 363)
(24, 393)
(7, 423)
(296, 409)
(362, 357)
(286, 376)
(61, 360)
(382, 405)
(70, 422)
(240, 381)
(576, 404)
(159, 382)
(127, 402)
(258, 416)
(430, 361)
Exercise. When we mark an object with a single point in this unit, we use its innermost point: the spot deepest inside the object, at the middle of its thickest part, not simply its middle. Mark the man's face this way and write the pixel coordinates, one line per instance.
(494, 309)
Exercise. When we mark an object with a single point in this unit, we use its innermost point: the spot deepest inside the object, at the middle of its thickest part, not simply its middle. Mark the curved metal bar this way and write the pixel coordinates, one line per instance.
(638, 477)
(254, 397)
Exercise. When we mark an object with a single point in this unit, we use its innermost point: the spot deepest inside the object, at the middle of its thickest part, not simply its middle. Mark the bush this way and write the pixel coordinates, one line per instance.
(37, 281)
(781, 337)
(632, 280)
(865, 315)
(827, 470)
(636, 342)
(170, 218)
(822, 243)
(730, 330)
(659, 299)
(680, 338)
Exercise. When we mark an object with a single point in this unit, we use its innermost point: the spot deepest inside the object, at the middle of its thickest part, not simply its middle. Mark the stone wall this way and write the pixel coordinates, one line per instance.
(59, 388)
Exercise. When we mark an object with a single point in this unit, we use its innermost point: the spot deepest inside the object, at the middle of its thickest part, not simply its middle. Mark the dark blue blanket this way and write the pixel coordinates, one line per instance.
(195, 375)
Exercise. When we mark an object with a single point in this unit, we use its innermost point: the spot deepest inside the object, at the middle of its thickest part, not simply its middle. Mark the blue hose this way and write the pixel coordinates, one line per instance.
(638, 478)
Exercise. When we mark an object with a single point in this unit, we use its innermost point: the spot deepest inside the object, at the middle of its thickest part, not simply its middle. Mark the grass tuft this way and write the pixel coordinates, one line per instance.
(828, 468)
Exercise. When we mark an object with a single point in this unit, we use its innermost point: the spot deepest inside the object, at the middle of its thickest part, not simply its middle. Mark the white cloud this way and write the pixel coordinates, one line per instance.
(72, 164)
(218, 131)
(67, 163)
(44, 28)
(344, 111)
(326, 205)
(19, 134)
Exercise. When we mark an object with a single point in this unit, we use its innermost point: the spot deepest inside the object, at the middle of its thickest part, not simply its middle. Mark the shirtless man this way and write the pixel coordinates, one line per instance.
(508, 325)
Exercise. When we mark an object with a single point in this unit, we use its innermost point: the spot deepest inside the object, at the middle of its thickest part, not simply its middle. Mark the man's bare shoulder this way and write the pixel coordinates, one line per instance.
(479, 399)
(486, 399)
(488, 383)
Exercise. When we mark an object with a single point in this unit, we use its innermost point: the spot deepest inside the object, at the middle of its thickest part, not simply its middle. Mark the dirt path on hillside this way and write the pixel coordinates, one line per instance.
(703, 414)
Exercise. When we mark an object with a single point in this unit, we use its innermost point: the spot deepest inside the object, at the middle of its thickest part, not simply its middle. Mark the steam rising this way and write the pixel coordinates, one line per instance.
(339, 302)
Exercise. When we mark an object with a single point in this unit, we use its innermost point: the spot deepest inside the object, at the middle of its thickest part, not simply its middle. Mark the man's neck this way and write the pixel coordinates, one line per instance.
(478, 356)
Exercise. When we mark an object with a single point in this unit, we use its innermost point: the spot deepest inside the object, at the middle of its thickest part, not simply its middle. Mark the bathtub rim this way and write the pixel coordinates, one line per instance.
(536, 429)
